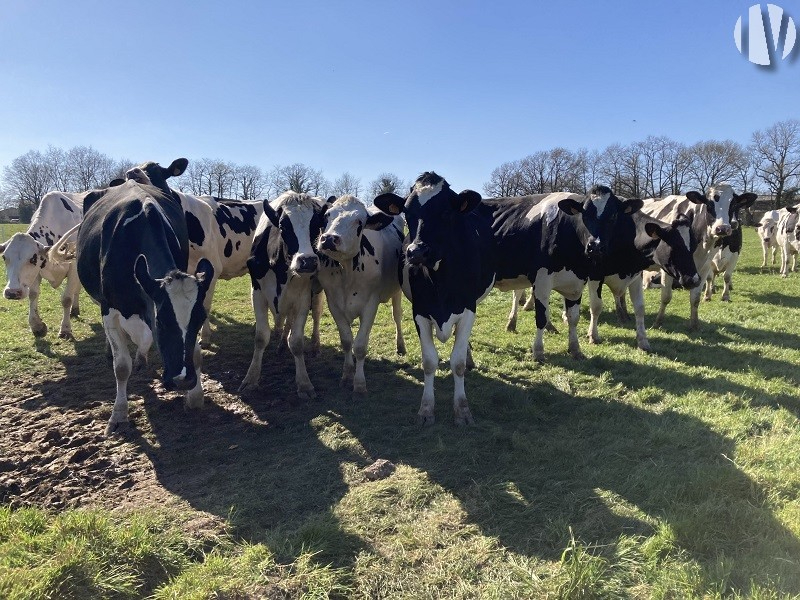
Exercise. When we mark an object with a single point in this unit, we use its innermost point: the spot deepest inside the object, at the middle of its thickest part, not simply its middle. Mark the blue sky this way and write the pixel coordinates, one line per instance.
(369, 86)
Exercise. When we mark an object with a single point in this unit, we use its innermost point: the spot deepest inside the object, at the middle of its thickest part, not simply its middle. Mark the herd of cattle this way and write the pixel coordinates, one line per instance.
(151, 256)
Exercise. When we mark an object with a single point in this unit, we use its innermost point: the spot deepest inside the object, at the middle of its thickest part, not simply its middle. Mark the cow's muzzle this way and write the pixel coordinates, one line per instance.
(306, 264)
(593, 249)
(722, 230)
(417, 254)
(329, 241)
(13, 294)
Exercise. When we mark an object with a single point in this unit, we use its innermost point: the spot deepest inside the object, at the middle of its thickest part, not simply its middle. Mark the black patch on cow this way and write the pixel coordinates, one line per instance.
(367, 247)
(196, 234)
(243, 223)
(228, 249)
(33, 259)
(238, 244)
(66, 204)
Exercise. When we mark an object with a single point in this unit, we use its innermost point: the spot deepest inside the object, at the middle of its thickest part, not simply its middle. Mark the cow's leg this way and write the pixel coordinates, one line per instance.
(636, 292)
(666, 297)
(595, 308)
(261, 310)
(35, 322)
(361, 342)
(541, 294)
(72, 288)
(305, 390)
(764, 247)
(142, 337)
(345, 328)
(728, 277)
(784, 262)
(709, 287)
(458, 365)
(774, 252)
(316, 316)
(531, 303)
(516, 300)
(205, 331)
(694, 306)
(75, 311)
(397, 315)
(572, 312)
(430, 361)
(122, 370)
(194, 397)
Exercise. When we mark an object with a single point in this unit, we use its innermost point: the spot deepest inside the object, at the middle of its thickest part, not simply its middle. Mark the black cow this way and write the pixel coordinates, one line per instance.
(448, 267)
(282, 268)
(554, 242)
(132, 254)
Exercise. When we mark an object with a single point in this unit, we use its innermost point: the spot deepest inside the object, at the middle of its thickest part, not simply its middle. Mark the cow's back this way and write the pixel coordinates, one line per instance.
(58, 212)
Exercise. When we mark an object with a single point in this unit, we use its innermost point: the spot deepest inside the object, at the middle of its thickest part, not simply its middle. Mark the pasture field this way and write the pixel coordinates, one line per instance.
(674, 474)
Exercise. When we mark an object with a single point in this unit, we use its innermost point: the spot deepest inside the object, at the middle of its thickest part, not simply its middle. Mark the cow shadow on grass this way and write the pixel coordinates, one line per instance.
(776, 299)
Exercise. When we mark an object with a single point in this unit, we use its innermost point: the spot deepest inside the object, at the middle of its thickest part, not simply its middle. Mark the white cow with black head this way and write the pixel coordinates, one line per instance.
(360, 253)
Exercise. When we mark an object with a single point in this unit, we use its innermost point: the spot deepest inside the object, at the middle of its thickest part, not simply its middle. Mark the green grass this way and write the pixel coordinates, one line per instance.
(673, 474)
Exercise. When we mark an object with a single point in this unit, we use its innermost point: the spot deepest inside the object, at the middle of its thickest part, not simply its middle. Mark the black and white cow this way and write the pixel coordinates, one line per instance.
(554, 242)
(788, 236)
(132, 256)
(283, 268)
(714, 219)
(642, 242)
(360, 256)
(767, 233)
(726, 255)
(28, 262)
(448, 267)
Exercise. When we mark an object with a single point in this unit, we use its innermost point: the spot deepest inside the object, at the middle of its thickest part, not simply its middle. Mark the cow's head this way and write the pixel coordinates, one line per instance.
(178, 299)
(152, 173)
(24, 258)
(346, 220)
(298, 218)
(723, 205)
(673, 252)
(432, 211)
(598, 214)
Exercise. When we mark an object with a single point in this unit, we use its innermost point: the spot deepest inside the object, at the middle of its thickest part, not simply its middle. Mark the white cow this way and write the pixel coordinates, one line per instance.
(28, 260)
(360, 254)
(767, 230)
(787, 235)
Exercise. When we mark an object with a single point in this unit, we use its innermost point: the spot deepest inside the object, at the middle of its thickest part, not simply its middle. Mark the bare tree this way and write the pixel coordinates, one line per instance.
(611, 167)
(221, 178)
(298, 178)
(777, 154)
(386, 183)
(505, 181)
(250, 182)
(88, 168)
(714, 161)
(586, 170)
(58, 165)
(346, 184)
(26, 180)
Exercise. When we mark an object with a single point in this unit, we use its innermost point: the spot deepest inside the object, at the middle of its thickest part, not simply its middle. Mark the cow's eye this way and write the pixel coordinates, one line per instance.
(716, 197)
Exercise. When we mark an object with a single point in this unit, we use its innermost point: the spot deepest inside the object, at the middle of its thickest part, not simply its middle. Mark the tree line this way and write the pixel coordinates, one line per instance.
(33, 174)
(659, 166)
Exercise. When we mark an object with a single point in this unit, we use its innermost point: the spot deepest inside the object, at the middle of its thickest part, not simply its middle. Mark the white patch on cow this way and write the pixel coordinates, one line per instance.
(436, 265)
(182, 294)
(345, 216)
(132, 218)
(426, 192)
(683, 230)
(551, 212)
(518, 283)
(600, 201)
(299, 209)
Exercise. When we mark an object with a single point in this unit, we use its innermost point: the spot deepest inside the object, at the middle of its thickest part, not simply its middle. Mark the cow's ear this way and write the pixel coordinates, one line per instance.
(570, 206)
(2, 248)
(745, 200)
(116, 182)
(654, 230)
(177, 167)
(684, 219)
(331, 199)
(791, 209)
(390, 203)
(142, 273)
(696, 197)
(632, 205)
(467, 201)
(204, 274)
(270, 212)
(378, 221)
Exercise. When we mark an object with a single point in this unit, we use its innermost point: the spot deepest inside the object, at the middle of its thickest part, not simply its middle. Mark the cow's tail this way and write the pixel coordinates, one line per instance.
(66, 248)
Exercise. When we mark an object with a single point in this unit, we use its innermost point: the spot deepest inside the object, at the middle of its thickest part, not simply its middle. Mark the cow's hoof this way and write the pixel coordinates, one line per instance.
(539, 358)
(247, 383)
(550, 327)
(360, 389)
(346, 381)
(577, 355)
(116, 428)
(205, 345)
(306, 394)
(39, 331)
(75, 312)
(194, 401)
(726, 299)
(594, 339)
(644, 346)
(425, 420)
(511, 326)
(66, 335)
(401, 349)
(464, 417)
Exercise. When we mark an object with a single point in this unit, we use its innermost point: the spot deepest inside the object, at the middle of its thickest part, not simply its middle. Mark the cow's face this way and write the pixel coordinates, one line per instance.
(178, 299)
(599, 214)
(24, 258)
(723, 205)
(432, 211)
(346, 219)
(673, 252)
(299, 218)
(152, 173)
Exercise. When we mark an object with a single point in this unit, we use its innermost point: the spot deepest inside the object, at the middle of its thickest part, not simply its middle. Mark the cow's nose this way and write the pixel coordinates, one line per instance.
(12, 294)
(416, 253)
(593, 248)
(307, 264)
(722, 230)
(329, 241)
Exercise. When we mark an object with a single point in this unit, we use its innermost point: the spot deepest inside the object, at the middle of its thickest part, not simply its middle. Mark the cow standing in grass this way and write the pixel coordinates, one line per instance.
(767, 234)
(360, 255)
(28, 260)
(283, 268)
(448, 267)
(727, 252)
(788, 237)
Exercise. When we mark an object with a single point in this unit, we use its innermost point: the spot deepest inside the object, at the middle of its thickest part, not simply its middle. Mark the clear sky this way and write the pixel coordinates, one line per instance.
(458, 87)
